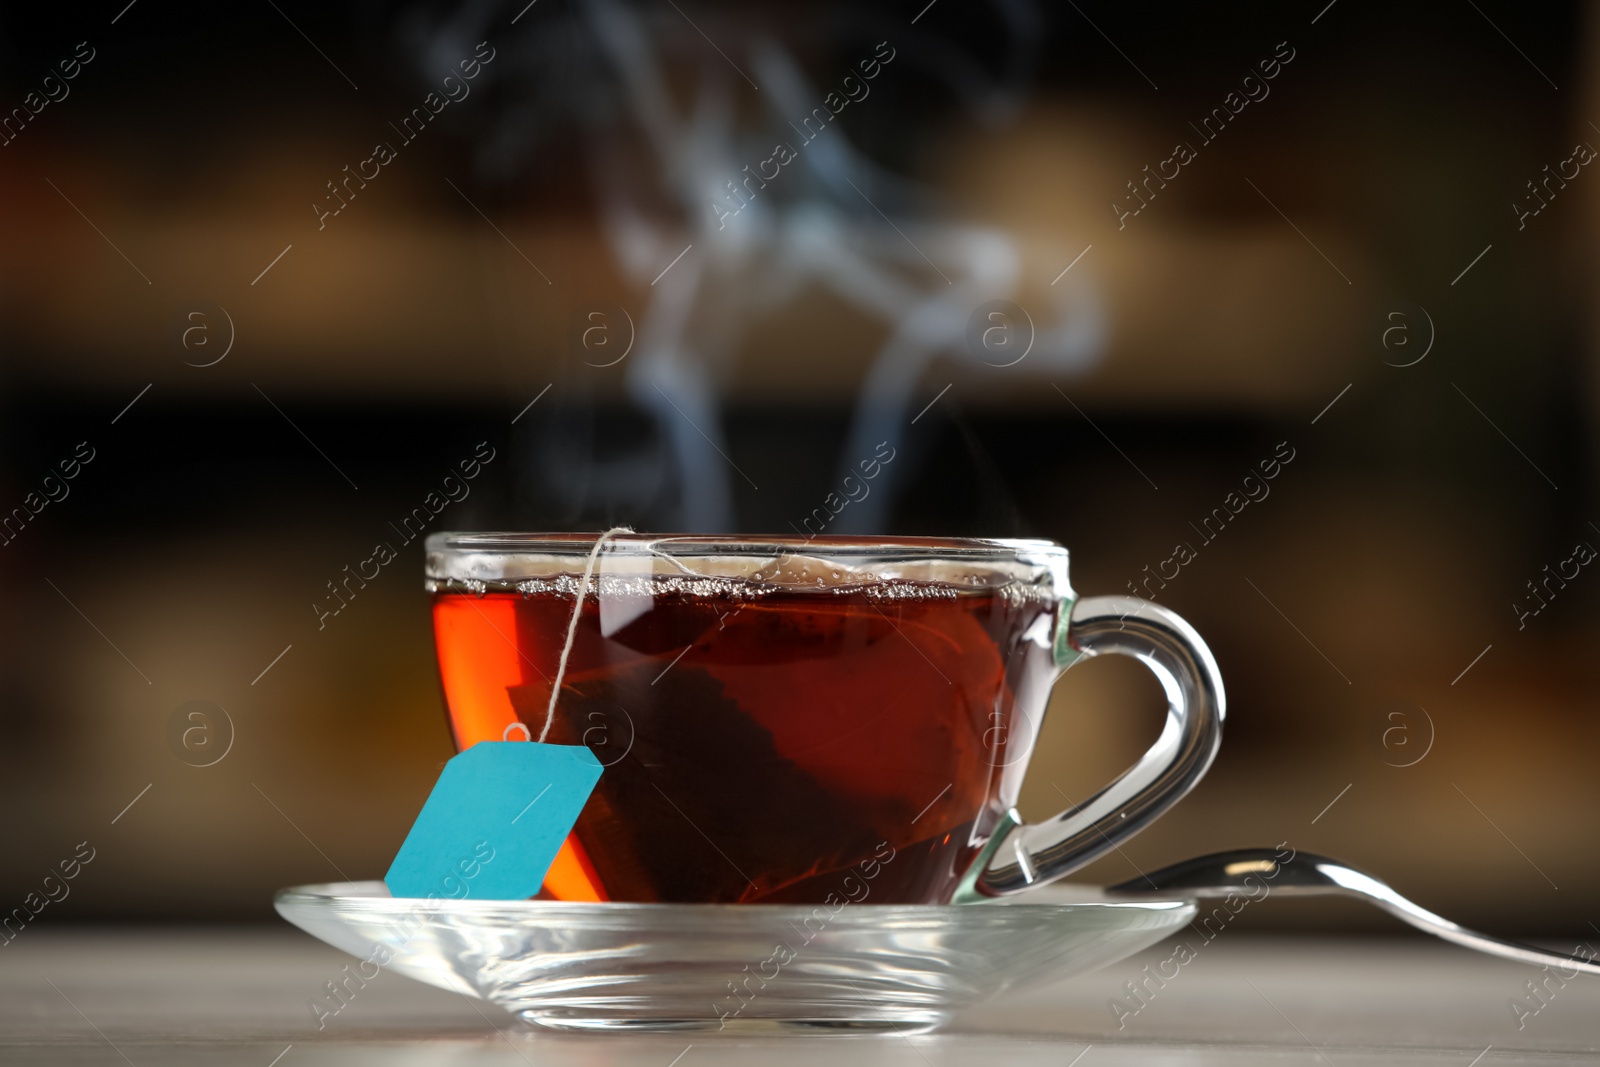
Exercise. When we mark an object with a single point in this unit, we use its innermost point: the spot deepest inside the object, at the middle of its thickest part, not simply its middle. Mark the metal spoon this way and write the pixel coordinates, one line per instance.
(1224, 874)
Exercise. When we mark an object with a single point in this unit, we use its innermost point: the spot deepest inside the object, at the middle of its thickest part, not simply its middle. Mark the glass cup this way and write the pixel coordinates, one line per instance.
(804, 720)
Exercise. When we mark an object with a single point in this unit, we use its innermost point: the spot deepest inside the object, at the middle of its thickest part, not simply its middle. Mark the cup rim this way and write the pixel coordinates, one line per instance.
(502, 560)
(701, 545)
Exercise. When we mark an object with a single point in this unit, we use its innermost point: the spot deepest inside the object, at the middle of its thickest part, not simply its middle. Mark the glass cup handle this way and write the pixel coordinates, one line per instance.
(1020, 856)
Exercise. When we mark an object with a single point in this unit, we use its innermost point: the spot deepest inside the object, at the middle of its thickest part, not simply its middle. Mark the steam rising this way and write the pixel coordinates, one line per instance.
(668, 118)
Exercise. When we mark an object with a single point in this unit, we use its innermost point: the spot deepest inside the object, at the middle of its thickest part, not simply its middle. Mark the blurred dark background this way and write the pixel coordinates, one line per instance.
(1390, 703)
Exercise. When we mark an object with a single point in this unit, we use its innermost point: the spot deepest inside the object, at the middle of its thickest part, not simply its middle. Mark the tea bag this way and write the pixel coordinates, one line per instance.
(494, 821)
(686, 760)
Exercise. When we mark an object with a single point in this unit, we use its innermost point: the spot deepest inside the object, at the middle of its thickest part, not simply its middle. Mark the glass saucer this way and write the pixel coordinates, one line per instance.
(732, 967)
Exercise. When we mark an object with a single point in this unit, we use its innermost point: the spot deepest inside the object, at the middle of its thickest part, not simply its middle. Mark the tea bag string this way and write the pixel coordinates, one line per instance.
(572, 627)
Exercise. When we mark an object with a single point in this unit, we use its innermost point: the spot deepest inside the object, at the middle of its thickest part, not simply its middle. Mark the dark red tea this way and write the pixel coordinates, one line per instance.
(761, 741)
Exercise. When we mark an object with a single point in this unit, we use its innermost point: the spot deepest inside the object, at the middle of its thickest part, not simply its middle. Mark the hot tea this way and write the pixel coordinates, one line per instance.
(763, 737)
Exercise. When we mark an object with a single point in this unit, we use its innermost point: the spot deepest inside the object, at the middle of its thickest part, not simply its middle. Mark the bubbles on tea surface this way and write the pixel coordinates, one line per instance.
(645, 586)
(1019, 594)
(902, 590)
(759, 584)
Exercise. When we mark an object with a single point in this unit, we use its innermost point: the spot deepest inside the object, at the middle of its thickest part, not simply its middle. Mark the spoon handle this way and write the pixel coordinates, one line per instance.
(1256, 872)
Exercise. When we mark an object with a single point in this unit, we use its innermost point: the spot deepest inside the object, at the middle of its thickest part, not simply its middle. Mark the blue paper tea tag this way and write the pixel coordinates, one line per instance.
(494, 821)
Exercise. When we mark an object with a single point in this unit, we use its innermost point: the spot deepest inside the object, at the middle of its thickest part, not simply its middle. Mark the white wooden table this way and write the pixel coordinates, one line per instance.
(238, 997)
